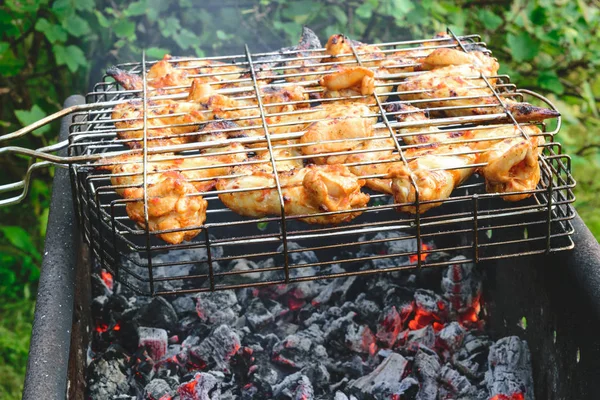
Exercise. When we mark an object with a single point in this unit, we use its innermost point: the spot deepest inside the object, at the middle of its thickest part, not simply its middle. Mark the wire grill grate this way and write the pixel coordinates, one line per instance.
(471, 222)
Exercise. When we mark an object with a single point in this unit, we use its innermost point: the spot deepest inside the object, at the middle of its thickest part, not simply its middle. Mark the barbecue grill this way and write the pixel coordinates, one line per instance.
(559, 307)
(470, 221)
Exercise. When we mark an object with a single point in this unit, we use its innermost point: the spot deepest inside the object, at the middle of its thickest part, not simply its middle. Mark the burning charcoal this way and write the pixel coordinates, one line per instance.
(509, 372)
(184, 305)
(155, 340)
(257, 315)
(367, 309)
(217, 307)
(340, 396)
(389, 327)
(428, 367)
(243, 267)
(304, 390)
(158, 314)
(294, 351)
(388, 373)
(336, 289)
(471, 358)
(340, 332)
(107, 378)
(424, 337)
(461, 285)
(217, 348)
(158, 389)
(451, 336)
(454, 384)
(203, 387)
(284, 329)
(360, 339)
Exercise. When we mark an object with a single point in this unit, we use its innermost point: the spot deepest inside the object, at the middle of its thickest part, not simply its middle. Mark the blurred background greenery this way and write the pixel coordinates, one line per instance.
(51, 49)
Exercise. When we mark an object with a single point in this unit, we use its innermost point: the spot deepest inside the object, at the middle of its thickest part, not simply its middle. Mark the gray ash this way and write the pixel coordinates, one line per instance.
(387, 336)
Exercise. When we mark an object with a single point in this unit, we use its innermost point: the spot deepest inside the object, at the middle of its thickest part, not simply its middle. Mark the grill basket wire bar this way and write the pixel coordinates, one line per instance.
(283, 229)
(402, 157)
(145, 170)
(95, 138)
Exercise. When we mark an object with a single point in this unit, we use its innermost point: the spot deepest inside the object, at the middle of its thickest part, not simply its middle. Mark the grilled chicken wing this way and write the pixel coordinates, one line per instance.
(511, 157)
(375, 157)
(512, 166)
(306, 191)
(436, 172)
(174, 187)
(339, 47)
(452, 84)
(444, 57)
(169, 75)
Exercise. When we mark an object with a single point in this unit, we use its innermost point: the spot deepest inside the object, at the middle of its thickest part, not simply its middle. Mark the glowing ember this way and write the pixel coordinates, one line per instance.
(514, 396)
(368, 341)
(472, 314)
(101, 328)
(107, 278)
(117, 327)
(295, 304)
(414, 258)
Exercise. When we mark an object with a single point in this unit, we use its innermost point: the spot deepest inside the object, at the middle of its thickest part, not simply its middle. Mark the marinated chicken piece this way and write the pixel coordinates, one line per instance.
(375, 157)
(171, 76)
(301, 119)
(287, 157)
(306, 191)
(339, 47)
(170, 206)
(231, 134)
(334, 136)
(356, 82)
(174, 188)
(512, 166)
(511, 158)
(168, 122)
(172, 122)
(452, 82)
(445, 57)
(435, 171)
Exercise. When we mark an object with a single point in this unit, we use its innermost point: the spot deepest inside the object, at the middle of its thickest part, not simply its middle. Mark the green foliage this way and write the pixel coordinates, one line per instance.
(52, 48)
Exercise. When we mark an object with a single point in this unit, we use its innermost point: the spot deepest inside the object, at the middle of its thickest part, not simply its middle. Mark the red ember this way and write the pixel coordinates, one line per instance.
(514, 396)
(414, 258)
(107, 278)
(101, 328)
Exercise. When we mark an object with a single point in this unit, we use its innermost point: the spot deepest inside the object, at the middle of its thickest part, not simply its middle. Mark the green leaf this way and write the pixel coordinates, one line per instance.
(19, 238)
(84, 5)
(77, 26)
(221, 35)
(124, 28)
(490, 20)
(403, 6)
(102, 21)
(135, 9)
(63, 8)
(588, 95)
(339, 14)
(186, 39)
(522, 46)
(538, 16)
(27, 117)
(71, 56)
(549, 80)
(156, 52)
(364, 11)
(54, 32)
(169, 26)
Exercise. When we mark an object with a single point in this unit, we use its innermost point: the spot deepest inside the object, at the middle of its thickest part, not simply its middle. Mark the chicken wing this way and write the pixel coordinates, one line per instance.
(169, 75)
(451, 87)
(306, 191)
(435, 175)
(174, 188)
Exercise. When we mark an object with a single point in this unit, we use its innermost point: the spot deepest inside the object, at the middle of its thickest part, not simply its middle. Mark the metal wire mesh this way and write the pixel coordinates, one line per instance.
(470, 222)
